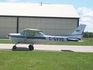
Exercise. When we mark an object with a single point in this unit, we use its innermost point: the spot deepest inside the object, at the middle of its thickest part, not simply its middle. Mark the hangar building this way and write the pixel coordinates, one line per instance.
(52, 19)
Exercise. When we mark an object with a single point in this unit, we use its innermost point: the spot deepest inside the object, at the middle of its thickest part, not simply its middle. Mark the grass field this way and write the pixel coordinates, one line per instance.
(46, 60)
(43, 60)
(85, 41)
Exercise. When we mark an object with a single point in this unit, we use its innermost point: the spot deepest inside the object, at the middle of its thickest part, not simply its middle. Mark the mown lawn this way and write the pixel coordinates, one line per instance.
(45, 60)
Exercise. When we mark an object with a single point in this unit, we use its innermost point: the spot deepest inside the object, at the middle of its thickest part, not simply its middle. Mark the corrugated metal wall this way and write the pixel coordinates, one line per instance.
(7, 25)
(51, 26)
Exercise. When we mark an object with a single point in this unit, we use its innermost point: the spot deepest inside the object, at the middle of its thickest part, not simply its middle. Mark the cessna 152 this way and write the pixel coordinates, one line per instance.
(32, 36)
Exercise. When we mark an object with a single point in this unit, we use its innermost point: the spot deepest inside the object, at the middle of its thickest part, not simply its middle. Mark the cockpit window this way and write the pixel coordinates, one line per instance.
(30, 33)
(41, 34)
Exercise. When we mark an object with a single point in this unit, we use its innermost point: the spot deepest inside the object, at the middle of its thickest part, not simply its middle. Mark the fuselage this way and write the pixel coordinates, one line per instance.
(29, 35)
(19, 38)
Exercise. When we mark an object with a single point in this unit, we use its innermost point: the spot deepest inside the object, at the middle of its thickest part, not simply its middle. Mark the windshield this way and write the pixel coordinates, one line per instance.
(22, 32)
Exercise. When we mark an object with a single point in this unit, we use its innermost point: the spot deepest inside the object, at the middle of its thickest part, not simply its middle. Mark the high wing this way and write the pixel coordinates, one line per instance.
(30, 29)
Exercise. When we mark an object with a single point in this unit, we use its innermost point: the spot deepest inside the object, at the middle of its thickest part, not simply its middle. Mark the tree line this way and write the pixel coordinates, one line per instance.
(88, 34)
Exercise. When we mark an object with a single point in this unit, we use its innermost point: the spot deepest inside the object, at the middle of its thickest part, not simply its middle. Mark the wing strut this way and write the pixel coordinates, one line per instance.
(25, 36)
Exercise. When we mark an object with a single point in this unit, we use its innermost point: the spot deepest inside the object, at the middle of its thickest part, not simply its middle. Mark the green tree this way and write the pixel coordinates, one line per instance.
(88, 34)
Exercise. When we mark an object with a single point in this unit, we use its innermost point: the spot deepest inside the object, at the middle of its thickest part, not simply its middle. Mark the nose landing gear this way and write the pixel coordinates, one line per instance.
(14, 47)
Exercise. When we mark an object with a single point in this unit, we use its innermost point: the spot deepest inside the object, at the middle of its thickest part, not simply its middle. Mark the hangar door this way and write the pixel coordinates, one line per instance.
(52, 26)
(29, 23)
(7, 25)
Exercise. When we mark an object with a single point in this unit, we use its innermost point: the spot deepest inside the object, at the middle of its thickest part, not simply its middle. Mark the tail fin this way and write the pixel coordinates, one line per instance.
(79, 30)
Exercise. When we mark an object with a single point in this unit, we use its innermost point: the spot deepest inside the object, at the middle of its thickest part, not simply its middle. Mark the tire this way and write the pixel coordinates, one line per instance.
(14, 47)
(31, 47)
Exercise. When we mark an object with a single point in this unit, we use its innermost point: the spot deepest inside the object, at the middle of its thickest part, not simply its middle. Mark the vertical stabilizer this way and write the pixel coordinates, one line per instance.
(79, 30)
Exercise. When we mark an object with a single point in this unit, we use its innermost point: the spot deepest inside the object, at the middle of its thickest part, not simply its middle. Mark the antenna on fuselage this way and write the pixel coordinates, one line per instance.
(38, 27)
(41, 3)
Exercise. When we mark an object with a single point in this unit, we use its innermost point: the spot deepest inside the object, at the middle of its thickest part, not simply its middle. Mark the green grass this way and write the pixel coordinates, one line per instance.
(86, 41)
(43, 60)
(5, 41)
(46, 60)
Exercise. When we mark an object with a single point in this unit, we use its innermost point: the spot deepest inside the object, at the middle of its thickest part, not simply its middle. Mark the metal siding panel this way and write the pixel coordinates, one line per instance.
(52, 26)
(28, 23)
(7, 25)
(62, 26)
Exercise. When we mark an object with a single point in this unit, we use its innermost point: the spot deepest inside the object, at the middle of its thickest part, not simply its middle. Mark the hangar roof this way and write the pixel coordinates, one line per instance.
(37, 10)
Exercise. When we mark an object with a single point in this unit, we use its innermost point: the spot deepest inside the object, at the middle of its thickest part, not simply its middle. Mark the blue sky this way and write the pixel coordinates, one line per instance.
(83, 7)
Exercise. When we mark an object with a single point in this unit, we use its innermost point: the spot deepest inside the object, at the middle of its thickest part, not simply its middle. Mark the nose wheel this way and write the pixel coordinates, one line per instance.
(31, 47)
(14, 47)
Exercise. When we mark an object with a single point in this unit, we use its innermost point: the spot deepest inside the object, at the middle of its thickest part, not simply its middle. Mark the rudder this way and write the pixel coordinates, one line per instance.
(79, 30)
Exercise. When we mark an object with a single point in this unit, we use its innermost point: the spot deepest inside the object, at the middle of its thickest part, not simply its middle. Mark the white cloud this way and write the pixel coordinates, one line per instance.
(85, 11)
(86, 17)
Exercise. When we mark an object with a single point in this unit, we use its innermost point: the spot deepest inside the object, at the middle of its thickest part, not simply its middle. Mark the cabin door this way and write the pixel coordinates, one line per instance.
(29, 37)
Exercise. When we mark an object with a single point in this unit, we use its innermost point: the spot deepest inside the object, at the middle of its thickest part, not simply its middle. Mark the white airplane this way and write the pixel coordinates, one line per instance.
(32, 36)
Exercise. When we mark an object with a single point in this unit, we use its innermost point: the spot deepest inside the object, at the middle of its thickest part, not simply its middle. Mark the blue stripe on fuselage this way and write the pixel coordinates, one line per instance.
(29, 37)
(68, 35)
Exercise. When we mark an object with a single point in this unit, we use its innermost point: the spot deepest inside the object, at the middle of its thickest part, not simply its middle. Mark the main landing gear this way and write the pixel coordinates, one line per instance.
(30, 47)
